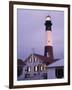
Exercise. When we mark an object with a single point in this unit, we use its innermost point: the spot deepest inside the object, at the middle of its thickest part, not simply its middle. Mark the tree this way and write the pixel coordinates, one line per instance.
(20, 65)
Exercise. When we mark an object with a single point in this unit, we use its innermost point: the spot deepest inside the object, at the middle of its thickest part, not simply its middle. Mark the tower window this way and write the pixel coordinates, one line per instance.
(59, 72)
(47, 54)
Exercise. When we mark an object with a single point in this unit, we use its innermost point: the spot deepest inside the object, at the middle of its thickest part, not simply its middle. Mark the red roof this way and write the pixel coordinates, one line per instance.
(44, 59)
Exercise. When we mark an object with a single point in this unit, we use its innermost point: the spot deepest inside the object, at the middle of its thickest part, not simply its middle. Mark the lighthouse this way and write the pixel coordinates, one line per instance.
(48, 49)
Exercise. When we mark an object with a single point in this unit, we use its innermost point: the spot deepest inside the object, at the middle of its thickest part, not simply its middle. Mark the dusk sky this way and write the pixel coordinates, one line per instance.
(31, 32)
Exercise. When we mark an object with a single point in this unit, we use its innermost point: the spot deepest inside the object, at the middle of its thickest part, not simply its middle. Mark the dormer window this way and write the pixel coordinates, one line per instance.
(30, 60)
(35, 59)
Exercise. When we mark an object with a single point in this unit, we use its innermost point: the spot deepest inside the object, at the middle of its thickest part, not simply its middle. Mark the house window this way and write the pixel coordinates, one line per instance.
(35, 68)
(45, 67)
(28, 69)
(59, 72)
(41, 68)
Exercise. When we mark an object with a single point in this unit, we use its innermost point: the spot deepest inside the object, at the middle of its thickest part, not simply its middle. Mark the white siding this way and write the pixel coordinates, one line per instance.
(51, 73)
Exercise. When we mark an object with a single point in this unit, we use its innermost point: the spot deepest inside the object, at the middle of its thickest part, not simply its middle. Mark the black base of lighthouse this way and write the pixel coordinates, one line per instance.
(49, 52)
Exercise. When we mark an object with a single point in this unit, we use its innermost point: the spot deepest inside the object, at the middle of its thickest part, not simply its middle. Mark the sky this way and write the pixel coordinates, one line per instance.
(31, 32)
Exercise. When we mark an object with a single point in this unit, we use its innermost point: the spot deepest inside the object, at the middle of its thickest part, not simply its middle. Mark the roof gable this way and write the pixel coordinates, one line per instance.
(42, 58)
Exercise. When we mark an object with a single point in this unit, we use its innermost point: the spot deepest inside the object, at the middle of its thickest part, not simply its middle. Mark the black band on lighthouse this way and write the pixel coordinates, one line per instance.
(48, 25)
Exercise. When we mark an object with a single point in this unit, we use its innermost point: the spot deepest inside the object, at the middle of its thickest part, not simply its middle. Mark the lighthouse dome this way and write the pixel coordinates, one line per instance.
(48, 18)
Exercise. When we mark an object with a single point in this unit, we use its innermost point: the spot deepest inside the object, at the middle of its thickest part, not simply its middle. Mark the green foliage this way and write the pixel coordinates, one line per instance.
(19, 70)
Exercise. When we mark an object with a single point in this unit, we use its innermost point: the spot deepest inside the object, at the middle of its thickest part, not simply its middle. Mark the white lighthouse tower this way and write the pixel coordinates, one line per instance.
(48, 51)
